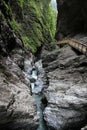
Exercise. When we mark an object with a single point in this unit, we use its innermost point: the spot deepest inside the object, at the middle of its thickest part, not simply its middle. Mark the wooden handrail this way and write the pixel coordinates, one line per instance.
(75, 44)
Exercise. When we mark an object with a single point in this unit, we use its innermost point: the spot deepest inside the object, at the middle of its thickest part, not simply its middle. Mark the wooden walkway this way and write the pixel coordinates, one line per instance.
(75, 44)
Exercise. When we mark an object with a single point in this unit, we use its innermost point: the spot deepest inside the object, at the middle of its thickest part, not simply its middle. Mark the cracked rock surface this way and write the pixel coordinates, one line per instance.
(67, 90)
(17, 109)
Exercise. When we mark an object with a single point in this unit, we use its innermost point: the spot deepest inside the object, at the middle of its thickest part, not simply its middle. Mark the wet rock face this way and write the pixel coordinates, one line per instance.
(67, 91)
(71, 17)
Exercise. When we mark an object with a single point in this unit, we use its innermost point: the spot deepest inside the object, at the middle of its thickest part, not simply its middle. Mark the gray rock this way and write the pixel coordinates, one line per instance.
(17, 108)
(67, 91)
(67, 105)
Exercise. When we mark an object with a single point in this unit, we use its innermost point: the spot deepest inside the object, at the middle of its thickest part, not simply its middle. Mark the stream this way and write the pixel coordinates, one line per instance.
(35, 74)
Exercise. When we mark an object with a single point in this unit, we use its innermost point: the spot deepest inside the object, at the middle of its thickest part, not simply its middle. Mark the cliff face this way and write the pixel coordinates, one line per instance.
(33, 21)
(14, 91)
(28, 23)
(71, 17)
(66, 70)
(23, 23)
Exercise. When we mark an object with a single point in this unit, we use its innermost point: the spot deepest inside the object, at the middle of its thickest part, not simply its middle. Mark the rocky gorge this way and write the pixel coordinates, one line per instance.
(42, 86)
(66, 94)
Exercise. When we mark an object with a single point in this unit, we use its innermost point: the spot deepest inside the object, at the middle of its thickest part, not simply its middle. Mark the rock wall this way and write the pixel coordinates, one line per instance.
(25, 25)
(33, 21)
(17, 108)
(71, 17)
(67, 89)
(67, 72)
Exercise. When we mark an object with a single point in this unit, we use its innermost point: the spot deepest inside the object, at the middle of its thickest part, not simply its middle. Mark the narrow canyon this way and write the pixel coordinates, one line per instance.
(43, 65)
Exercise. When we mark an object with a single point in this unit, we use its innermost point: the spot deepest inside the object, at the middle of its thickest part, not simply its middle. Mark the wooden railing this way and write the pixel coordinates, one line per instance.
(75, 44)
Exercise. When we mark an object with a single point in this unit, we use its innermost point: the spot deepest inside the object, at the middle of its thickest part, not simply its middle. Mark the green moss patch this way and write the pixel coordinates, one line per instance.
(33, 20)
(15, 26)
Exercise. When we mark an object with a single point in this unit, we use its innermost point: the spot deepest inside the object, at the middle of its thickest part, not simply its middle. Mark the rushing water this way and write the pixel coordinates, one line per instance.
(36, 73)
(42, 125)
(37, 86)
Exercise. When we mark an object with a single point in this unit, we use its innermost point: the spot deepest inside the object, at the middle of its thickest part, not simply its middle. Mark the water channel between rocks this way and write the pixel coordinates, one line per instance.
(36, 74)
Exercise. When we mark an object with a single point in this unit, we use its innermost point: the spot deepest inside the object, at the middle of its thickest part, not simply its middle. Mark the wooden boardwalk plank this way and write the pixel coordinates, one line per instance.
(75, 44)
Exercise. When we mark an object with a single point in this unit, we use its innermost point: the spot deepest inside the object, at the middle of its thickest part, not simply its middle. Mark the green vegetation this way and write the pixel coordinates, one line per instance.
(15, 26)
(51, 21)
(34, 20)
(20, 2)
(6, 10)
(28, 43)
(38, 26)
(52, 45)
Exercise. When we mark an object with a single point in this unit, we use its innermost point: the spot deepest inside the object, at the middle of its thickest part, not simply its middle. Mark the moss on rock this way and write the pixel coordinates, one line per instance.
(33, 20)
